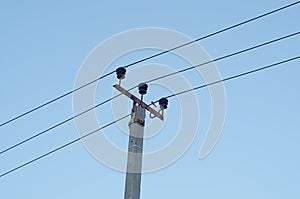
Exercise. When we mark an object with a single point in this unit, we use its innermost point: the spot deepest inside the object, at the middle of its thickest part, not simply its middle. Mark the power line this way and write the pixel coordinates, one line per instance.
(61, 147)
(150, 57)
(173, 95)
(234, 77)
(225, 56)
(53, 100)
(215, 33)
(155, 79)
(56, 125)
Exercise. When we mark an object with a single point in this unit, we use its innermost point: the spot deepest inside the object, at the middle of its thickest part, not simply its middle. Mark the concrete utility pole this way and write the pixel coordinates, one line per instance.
(135, 153)
(135, 143)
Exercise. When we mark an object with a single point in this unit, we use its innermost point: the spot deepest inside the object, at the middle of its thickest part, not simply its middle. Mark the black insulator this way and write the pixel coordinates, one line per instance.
(143, 88)
(121, 71)
(163, 102)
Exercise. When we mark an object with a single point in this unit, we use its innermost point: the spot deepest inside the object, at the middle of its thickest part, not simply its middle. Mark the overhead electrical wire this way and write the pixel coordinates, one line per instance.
(173, 95)
(225, 56)
(63, 146)
(56, 125)
(233, 77)
(151, 57)
(155, 79)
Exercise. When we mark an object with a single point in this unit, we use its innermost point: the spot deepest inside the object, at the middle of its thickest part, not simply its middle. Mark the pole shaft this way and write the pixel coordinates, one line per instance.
(135, 153)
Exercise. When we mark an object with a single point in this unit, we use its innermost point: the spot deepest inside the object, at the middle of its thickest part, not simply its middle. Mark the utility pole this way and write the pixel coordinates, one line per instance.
(135, 152)
(135, 143)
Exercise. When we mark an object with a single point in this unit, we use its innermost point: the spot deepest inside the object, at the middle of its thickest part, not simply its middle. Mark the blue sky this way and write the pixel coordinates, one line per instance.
(43, 45)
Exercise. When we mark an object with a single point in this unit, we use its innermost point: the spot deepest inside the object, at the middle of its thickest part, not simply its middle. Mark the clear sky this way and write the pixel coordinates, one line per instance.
(44, 43)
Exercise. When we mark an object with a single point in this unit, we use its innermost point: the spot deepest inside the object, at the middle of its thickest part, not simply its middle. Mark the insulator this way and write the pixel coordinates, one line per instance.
(121, 71)
(163, 102)
(143, 88)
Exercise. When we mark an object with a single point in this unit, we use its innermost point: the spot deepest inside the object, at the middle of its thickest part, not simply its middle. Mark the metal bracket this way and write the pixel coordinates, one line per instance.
(138, 101)
(136, 146)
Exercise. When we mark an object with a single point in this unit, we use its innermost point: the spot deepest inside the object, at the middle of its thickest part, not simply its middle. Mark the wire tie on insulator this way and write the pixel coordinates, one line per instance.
(153, 104)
